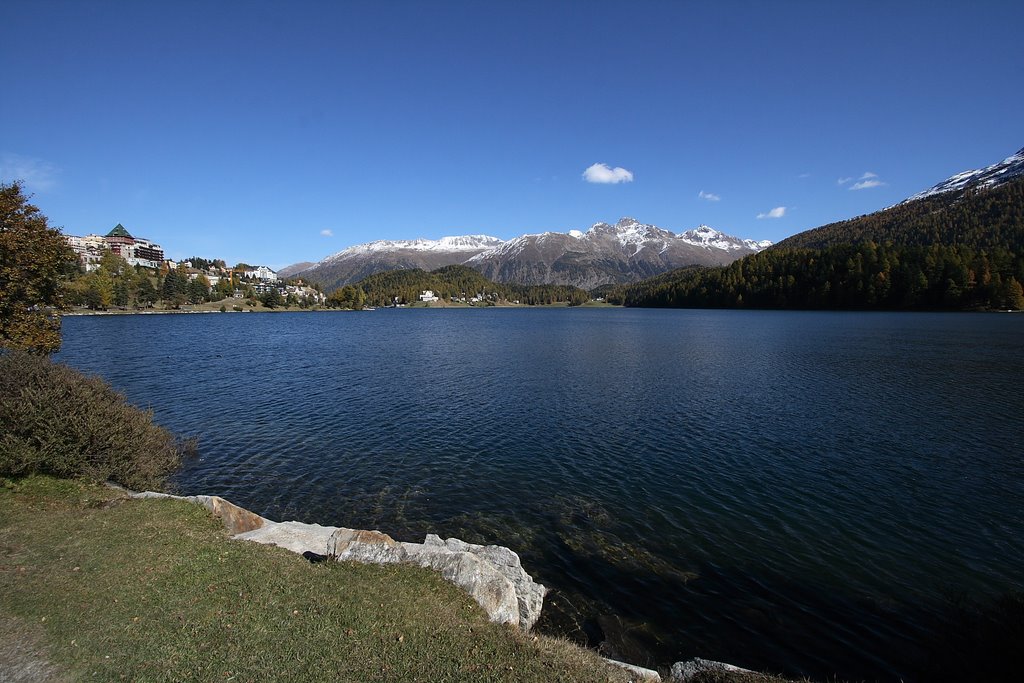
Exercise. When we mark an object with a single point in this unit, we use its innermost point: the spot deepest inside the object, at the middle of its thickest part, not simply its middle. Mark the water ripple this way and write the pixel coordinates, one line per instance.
(792, 491)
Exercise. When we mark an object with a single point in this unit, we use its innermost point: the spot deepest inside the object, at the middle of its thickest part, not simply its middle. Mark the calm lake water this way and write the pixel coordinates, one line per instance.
(799, 492)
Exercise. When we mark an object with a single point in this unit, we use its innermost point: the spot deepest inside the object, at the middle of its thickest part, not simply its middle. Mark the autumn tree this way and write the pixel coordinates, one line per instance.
(34, 262)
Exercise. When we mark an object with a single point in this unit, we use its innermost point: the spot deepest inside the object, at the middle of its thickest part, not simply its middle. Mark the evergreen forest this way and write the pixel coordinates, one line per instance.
(461, 283)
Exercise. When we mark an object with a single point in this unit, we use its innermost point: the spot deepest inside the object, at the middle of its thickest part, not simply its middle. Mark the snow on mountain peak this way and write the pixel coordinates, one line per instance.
(445, 244)
(629, 233)
(990, 176)
(709, 238)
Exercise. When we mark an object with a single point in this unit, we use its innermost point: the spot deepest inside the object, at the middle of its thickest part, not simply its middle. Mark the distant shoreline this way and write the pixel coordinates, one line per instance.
(207, 308)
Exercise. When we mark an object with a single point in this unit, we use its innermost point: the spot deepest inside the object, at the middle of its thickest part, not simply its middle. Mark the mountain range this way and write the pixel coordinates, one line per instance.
(605, 254)
(977, 209)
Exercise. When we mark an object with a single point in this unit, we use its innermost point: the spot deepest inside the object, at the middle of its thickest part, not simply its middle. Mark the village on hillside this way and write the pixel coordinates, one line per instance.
(120, 270)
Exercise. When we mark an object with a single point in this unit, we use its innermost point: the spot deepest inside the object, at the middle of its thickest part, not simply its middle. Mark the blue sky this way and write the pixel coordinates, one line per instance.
(274, 132)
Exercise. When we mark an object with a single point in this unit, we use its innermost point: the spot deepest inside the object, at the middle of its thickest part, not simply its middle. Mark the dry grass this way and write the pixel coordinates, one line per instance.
(24, 656)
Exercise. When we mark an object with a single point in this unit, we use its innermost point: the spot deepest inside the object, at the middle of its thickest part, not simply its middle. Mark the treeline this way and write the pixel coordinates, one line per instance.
(459, 283)
(846, 276)
(115, 283)
(978, 218)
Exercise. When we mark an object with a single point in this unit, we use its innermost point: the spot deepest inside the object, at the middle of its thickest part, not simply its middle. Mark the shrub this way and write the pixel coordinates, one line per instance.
(57, 421)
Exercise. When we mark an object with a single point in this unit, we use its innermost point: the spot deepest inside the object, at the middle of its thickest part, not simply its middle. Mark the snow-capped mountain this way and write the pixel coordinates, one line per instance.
(604, 254)
(706, 236)
(625, 252)
(362, 260)
(460, 244)
(992, 176)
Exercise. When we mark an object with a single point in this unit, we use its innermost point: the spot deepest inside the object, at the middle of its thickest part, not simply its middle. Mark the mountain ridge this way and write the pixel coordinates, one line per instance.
(604, 254)
(989, 177)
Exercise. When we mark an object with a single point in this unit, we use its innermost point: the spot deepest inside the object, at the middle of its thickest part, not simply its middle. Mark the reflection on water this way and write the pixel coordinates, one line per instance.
(792, 491)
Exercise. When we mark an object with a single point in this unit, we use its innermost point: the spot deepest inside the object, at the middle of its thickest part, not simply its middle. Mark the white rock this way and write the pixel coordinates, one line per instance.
(372, 547)
(530, 595)
(478, 577)
(295, 536)
(491, 574)
(641, 673)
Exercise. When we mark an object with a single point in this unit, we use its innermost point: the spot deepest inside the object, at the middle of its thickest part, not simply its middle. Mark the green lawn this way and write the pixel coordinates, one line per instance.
(96, 586)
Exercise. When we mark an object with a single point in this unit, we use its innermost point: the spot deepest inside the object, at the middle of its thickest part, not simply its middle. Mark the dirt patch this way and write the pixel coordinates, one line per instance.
(23, 654)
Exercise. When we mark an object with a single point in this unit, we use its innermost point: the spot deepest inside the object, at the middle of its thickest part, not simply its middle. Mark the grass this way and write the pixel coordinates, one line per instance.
(94, 585)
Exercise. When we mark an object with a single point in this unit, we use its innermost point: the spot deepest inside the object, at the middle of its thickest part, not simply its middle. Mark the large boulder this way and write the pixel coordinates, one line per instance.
(236, 519)
(372, 547)
(639, 672)
(529, 594)
(295, 536)
(475, 575)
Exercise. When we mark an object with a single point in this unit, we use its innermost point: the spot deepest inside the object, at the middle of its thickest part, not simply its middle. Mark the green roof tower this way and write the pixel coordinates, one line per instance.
(119, 231)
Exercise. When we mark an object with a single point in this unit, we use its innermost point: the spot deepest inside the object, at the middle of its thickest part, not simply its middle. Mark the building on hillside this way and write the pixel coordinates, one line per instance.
(137, 251)
(264, 288)
(428, 296)
(304, 292)
(89, 249)
(262, 273)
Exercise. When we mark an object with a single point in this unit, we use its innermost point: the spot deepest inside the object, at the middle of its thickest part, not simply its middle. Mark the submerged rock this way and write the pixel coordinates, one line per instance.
(688, 670)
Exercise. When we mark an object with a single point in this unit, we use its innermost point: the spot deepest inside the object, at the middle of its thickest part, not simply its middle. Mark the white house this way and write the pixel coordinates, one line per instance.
(262, 273)
(428, 296)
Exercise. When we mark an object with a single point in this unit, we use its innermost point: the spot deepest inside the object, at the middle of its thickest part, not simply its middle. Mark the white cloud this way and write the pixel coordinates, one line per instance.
(865, 184)
(37, 174)
(327, 233)
(777, 212)
(602, 173)
(711, 197)
(867, 180)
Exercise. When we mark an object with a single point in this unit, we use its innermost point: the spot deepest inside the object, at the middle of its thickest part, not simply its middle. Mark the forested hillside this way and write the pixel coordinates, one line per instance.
(951, 251)
(861, 276)
(976, 218)
(458, 282)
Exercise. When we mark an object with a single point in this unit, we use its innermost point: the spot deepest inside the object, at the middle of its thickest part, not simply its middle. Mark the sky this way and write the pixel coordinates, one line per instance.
(274, 132)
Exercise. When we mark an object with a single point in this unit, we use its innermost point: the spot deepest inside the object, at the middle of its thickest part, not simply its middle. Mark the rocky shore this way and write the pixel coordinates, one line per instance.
(491, 574)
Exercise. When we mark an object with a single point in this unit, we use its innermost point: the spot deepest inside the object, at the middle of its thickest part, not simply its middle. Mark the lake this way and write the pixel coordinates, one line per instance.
(794, 491)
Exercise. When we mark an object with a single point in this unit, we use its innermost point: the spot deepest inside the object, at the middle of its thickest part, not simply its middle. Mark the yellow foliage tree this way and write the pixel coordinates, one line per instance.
(34, 260)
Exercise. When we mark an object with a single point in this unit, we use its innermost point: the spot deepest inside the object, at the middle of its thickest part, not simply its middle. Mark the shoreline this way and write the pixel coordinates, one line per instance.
(161, 311)
(491, 575)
